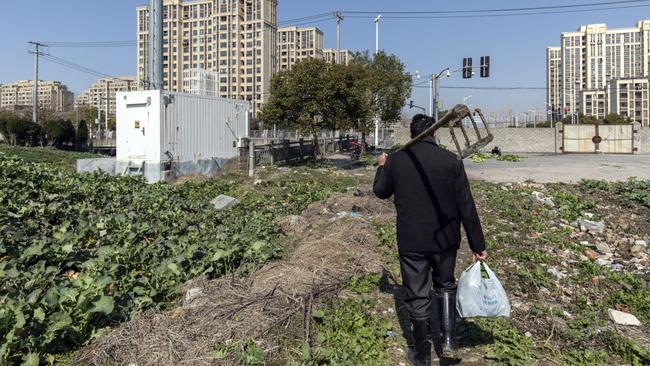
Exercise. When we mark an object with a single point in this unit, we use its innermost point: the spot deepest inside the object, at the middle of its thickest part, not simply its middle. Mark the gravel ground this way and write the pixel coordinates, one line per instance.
(561, 168)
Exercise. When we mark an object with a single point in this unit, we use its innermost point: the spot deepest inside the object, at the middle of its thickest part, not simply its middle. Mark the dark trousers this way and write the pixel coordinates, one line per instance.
(421, 272)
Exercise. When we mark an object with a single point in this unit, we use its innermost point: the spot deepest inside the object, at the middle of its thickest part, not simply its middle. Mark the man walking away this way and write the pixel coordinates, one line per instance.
(432, 199)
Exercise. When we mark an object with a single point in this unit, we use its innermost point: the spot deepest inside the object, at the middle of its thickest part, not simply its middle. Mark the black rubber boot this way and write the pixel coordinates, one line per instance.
(421, 354)
(447, 308)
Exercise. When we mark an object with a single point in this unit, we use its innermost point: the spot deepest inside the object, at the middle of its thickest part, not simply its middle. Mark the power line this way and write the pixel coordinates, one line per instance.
(92, 44)
(76, 67)
(313, 22)
(310, 17)
(452, 14)
(490, 87)
(497, 15)
(499, 10)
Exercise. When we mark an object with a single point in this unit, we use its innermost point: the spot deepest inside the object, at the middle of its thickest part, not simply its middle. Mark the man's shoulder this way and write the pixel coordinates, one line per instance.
(446, 153)
(437, 151)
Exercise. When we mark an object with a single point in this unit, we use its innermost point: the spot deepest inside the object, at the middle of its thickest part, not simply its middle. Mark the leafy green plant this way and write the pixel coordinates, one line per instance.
(626, 348)
(633, 190)
(585, 357)
(349, 335)
(510, 347)
(571, 206)
(82, 252)
(481, 157)
(248, 353)
(508, 157)
(364, 284)
(53, 157)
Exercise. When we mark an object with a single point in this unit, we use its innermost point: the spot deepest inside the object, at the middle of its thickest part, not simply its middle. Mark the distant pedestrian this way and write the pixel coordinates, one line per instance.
(432, 199)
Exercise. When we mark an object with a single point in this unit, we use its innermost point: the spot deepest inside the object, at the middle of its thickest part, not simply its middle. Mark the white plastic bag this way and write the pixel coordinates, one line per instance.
(478, 296)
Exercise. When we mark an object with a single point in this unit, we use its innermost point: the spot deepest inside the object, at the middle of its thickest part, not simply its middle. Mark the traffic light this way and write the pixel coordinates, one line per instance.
(467, 68)
(485, 66)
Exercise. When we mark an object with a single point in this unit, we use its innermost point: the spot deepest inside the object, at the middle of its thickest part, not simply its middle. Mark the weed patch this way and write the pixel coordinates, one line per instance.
(348, 334)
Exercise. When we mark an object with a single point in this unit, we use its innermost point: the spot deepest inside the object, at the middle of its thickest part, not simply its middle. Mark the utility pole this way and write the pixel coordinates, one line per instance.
(435, 91)
(99, 116)
(36, 52)
(155, 45)
(107, 108)
(339, 18)
(432, 97)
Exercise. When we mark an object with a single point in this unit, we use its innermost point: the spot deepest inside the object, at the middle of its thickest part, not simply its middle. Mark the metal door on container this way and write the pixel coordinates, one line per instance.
(137, 129)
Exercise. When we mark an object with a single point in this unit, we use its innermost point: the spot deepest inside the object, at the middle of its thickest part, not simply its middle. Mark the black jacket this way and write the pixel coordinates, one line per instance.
(432, 198)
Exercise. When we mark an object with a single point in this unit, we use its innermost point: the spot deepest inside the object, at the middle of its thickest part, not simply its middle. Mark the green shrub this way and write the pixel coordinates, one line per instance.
(59, 132)
(82, 252)
(81, 136)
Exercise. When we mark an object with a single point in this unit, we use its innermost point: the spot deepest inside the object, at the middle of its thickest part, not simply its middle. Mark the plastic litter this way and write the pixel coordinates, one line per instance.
(481, 297)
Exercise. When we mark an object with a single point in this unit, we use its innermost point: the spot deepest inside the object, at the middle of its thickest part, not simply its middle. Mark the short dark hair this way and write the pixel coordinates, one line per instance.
(419, 124)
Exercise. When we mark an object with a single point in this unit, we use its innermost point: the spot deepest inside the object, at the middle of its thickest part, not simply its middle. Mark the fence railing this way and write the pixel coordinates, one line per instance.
(289, 152)
(103, 142)
(266, 136)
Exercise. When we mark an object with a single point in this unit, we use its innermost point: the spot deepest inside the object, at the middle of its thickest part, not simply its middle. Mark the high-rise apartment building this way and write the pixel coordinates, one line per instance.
(629, 98)
(554, 80)
(52, 95)
(345, 56)
(103, 91)
(296, 44)
(604, 71)
(234, 38)
(201, 82)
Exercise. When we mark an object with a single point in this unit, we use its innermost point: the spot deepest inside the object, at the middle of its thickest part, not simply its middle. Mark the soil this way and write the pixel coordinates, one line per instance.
(334, 240)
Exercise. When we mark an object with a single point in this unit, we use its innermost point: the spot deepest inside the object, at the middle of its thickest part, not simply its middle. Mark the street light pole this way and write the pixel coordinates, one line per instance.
(376, 52)
(338, 17)
(377, 33)
(575, 103)
(435, 91)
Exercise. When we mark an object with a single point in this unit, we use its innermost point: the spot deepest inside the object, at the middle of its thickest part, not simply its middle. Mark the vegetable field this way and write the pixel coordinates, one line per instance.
(79, 253)
(58, 158)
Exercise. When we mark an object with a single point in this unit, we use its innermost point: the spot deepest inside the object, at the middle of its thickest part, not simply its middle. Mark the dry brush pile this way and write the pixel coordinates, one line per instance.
(330, 242)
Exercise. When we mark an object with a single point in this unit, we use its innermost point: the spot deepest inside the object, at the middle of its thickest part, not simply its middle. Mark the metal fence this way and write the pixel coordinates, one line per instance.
(266, 136)
(289, 152)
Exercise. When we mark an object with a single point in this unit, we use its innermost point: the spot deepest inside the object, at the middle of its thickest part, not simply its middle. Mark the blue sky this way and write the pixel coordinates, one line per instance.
(516, 44)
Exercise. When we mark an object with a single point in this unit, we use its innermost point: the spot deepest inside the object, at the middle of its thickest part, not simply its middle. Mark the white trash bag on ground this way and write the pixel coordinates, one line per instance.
(478, 296)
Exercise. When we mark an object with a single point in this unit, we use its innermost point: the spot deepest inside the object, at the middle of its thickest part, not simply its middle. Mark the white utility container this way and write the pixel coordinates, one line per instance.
(162, 134)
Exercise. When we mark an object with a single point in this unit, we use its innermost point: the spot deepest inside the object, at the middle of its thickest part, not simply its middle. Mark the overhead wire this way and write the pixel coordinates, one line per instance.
(91, 44)
(548, 7)
(309, 17)
(495, 15)
(476, 13)
(489, 87)
(76, 67)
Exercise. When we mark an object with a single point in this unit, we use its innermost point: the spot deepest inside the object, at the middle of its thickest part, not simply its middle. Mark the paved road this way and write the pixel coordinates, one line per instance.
(562, 168)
